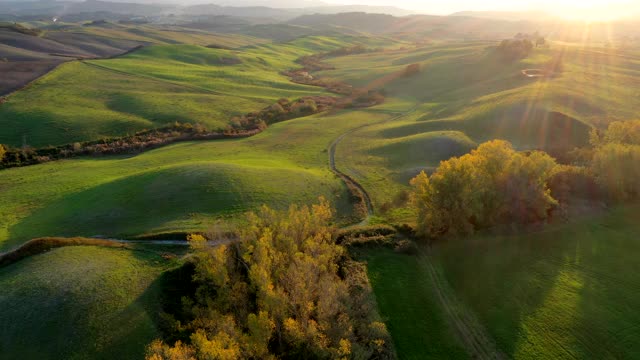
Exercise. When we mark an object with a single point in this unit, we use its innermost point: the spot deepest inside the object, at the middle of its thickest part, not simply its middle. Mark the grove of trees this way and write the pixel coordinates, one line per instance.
(616, 159)
(513, 50)
(493, 184)
(284, 289)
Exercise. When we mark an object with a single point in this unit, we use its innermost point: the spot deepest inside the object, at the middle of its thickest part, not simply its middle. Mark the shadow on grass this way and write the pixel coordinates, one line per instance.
(134, 204)
(568, 291)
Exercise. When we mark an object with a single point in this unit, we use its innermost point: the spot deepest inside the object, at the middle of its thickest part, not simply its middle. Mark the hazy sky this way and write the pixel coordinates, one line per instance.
(566, 8)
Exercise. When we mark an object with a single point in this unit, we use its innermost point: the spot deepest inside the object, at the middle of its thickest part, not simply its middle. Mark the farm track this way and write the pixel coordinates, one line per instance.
(472, 334)
(347, 179)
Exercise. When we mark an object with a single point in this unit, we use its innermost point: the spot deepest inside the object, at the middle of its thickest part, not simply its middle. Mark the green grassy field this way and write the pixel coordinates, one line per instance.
(150, 88)
(80, 303)
(568, 292)
(156, 86)
(407, 303)
(176, 188)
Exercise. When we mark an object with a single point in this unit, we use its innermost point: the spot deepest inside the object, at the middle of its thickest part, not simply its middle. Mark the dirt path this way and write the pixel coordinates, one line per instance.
(462, 320)
(469, 330)
(351, 183)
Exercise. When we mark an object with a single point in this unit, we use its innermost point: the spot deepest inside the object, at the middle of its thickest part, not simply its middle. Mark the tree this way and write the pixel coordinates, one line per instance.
(512, 50)
(285, 289)
(493, 184)
(3, 152)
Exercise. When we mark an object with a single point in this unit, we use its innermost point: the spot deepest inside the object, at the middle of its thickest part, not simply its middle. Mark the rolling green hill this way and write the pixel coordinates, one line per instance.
(176, 188)
(464, 95)
(80, 303)
(153, 87)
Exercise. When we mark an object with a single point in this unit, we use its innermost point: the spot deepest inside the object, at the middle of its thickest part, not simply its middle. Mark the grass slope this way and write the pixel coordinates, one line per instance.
(80, 303)
(176, 188)
(568, 292)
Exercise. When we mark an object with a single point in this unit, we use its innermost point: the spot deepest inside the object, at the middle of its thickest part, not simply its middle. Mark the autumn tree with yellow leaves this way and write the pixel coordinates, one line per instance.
(284, 290)
(494, 184)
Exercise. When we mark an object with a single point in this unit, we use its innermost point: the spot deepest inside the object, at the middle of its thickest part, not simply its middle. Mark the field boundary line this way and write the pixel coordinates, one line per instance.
(461, 319)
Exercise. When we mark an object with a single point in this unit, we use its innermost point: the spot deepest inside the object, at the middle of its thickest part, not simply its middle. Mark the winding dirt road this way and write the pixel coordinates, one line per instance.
(472, 335)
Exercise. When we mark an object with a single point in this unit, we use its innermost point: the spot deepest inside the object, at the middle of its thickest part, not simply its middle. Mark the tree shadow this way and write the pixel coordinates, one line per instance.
(505, 279)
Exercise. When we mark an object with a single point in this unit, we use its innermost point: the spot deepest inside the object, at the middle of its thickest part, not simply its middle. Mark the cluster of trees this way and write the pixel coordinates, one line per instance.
(616, 159)
(284, 290)
(240, 126)
(493, 184)
(281, 111)
(513, 50)
(362, 99)
(144, 140)
(538, 39)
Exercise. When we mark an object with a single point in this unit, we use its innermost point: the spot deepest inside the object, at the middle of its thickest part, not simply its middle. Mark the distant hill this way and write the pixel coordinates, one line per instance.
(243, 12)
(389, 10)
(506, 15)
(59, 8)
(419, 25)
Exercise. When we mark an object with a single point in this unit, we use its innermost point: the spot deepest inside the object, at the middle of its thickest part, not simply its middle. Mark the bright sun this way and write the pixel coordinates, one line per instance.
(596, 10)
(591, 10)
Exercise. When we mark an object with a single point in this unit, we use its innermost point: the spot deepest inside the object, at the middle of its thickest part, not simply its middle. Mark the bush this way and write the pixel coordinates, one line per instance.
(367, 236)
